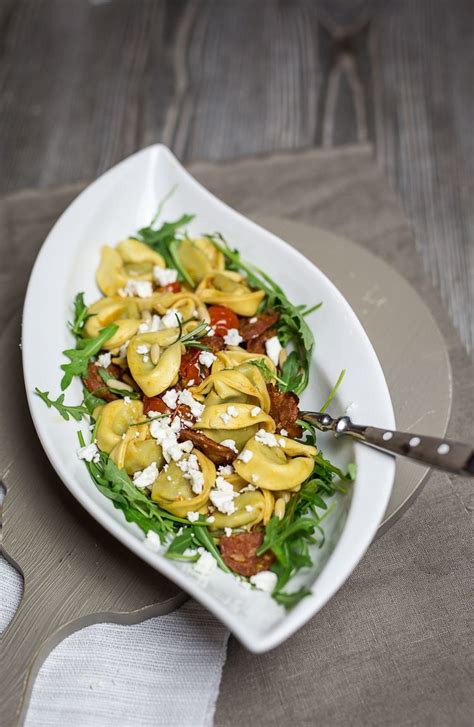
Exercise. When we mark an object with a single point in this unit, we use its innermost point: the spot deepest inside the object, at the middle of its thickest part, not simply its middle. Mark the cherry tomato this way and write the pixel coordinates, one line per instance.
(154, 404)
(189, 369)
(222, 319)
(172, 287)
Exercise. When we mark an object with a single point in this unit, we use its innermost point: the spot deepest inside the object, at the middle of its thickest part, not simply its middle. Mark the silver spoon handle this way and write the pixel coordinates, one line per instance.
(440, 453)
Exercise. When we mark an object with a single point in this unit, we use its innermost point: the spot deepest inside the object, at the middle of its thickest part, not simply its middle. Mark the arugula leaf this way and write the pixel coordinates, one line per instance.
(333, 391)
(203, 538)
(76, 412)
(80, 356)
(165, 241)
(80, 315)
(90, 401)
(292, 327)
(289, 600)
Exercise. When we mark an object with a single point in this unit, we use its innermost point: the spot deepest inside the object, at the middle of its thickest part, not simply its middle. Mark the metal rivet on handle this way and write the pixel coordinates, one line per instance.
(443, 448)
(414, 441)
(387, 436)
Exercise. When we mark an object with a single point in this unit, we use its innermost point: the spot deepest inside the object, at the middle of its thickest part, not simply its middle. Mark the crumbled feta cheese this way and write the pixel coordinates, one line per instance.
(255, 411)
(225, 469)
(222, 496)
(210, 519)
(170, 398)
(231, 444)
(255, 478)
(146, 359)
(169, 320)
(207, 358)
(146, 477)
(127, 400)
(248, 488)
(90, 452)
(142, 349)
(192, 516)
(185, 397)
(232, 337)
(283, 432)
(245, 455)
(282, 442)
(152, 541)
(273, 348)
(232, 411)
(140, 288)
(225, 417)
(206, 564)
(123, 350)
(249, 508)
(266, 438)
(191, 471)
(190, 383)
(254, 319)
(104, 360)
(228, 532)
(266, 580)
(166, 434)
(164, 276)
(151, 327)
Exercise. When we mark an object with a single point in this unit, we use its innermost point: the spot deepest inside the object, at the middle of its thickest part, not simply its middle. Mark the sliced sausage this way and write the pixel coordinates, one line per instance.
(215, 343)
(263, 322)
(217, 453)
(284, 410)
(257, 345)
(95, 384)
(239, 553)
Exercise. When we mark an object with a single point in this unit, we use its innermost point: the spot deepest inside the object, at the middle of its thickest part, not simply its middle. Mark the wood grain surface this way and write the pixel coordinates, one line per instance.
(86, 82)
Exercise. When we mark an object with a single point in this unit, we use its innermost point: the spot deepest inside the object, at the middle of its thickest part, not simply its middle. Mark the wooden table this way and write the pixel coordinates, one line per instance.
(87, 82)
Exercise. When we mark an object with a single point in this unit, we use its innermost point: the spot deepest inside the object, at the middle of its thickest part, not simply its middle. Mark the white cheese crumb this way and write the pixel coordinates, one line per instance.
(245, 455)
(225, 417)
(90, 452)
(104, 360)
(127, 400)
(166, 434)
(190, 382)
(169, 320)
(232, 411)
(140, 288)
(146, 477)
(255, 478)
(282, 442)
(123, 350)
(190, 468)
(164, 276)
(192, 516)
(223, 495)
(248, 488)
(146, 359)
(152, 541)
(225, 469)
(249, 508)
(228, 532)
(273, 348)
(206, 564)
(231, 444)
(255, 411)
(207, 358)
(265, 580)
(185, 397)
(233, 337)
(266, 438)
(152, 327)
(210, 519)
(142, 349)
(283, 432)
(170, 398)
(254, 319)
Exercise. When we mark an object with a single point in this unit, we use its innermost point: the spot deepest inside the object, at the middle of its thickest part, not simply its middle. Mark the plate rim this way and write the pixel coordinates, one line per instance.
(308, 607)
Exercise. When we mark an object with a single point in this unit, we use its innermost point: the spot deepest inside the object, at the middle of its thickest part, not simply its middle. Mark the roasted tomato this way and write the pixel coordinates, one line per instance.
(189, 369)
(172, 287)
(222, 319)
(154, 403)
(239, 553)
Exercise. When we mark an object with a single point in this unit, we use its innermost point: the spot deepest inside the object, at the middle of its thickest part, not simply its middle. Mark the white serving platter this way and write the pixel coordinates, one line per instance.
(115, 206)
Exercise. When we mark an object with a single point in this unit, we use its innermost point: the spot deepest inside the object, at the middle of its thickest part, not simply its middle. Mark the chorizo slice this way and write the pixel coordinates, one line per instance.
(263, 322)
(284, 410)
(95, 384)
(217, 453)
(239, 553)
(257, 345)
(215, 343)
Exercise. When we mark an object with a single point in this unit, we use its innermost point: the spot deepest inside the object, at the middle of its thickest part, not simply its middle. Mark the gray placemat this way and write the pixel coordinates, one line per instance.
(392, 647)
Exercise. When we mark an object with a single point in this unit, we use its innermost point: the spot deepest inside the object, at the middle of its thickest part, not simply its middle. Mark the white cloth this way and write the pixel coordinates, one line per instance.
(164, 671)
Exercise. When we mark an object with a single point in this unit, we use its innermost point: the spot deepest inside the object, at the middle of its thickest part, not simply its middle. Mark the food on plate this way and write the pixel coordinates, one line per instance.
(192, 362)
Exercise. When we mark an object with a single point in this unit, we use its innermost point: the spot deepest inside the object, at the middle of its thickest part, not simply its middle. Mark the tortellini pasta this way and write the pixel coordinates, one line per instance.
(231, 290)
(115, 420)
(130, 260)
(249, 510)
(277, 467)
(232, 359)
(153, 378)
(199, 258)
(243, 384)
(174, 493)
(134, 454)
(186, 303)
(123, 312)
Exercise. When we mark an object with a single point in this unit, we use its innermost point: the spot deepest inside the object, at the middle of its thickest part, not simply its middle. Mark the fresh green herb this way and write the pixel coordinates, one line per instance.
(289, 600)
(292, 327)
(165, 241)
(266, 371)
(90, 401)
(195, 536)
(76, 412)
(80, 315)
(334, 391)
(80, 356)
(193, 339)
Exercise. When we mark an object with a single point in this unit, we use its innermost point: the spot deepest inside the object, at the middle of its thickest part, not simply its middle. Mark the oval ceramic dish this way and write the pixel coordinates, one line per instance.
(117, 204)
